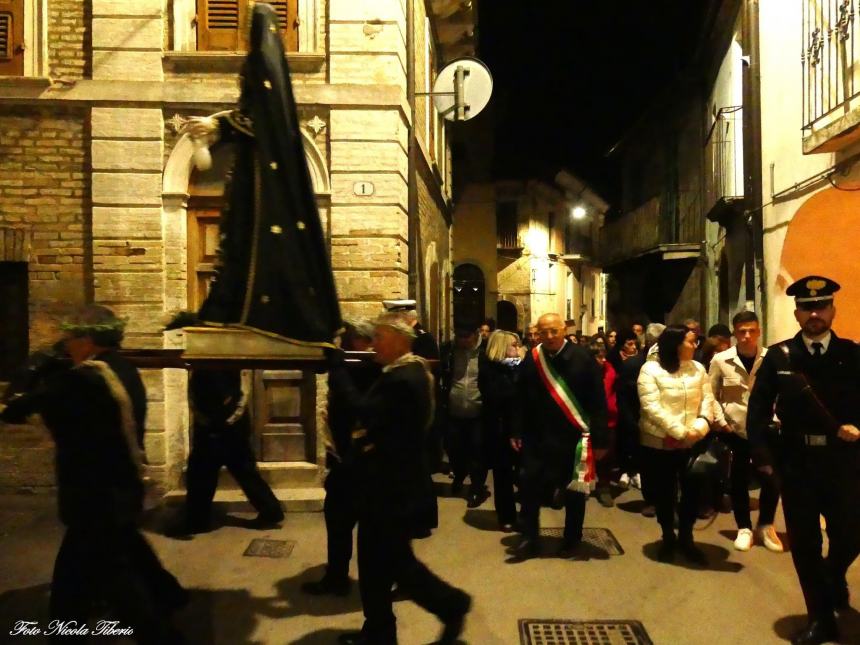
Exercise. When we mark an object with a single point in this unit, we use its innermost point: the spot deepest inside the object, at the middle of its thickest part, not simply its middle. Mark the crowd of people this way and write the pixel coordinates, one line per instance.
(554, 418)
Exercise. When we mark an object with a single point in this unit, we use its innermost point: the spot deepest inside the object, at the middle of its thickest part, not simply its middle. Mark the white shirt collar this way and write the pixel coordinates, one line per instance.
(560, 349)
(824, 340)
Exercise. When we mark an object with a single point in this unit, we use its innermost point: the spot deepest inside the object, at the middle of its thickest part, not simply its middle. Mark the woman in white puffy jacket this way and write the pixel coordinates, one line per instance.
(677, 408)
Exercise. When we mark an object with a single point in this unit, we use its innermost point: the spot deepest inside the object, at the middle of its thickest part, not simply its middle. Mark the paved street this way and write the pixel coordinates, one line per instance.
(741, 598)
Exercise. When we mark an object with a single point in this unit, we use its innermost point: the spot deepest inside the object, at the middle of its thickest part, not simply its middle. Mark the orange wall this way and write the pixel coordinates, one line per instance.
(824, 239)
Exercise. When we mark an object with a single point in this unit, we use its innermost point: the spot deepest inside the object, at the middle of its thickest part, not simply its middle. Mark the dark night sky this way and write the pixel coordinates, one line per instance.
(571, 76)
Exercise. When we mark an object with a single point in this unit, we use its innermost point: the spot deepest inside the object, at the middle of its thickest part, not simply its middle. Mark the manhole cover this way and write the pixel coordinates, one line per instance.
(262, 548)
(601, 539)
(582, 632)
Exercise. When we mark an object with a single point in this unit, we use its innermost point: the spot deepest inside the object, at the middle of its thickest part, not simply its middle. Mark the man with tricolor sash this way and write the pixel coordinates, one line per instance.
(560, 429)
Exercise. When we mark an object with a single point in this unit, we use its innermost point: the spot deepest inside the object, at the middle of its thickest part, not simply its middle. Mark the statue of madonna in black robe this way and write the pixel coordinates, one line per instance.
(274, 274)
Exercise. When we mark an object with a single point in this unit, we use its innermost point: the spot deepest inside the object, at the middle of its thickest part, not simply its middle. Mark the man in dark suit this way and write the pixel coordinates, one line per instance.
(562, 406)
(92, 409)
(814, 380)
(393, 482)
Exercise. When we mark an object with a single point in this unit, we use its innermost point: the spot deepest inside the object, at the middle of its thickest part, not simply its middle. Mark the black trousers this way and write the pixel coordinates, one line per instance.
(114, 564)
(665, 471)
(229, 446)
(533, 485)
(739, 485)
(385, 556)
(502, 460)
(341, 516)
(627, 443)
(821, 481)
(467, 450)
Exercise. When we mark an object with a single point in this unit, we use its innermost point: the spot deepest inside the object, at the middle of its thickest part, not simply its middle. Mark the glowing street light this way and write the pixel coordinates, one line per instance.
(578, 212)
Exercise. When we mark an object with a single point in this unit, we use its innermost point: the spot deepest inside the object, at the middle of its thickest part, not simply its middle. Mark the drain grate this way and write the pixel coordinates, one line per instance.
(581, 632)
(262, 548)
(602, 539)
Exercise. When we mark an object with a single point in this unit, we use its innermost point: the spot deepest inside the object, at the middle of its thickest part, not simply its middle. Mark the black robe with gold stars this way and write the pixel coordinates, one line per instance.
(274, 274)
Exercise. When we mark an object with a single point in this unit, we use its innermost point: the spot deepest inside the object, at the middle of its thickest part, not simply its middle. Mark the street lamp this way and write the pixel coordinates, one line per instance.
(578, 212)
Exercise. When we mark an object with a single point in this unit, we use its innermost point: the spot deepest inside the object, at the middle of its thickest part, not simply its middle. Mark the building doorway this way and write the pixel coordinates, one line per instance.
(282, 401)
(468, 295)
(506, 316)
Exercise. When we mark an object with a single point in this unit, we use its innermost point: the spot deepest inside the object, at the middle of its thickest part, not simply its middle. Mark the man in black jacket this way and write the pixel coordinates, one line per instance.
(393, 483)
(92, 413)
(548, 435)
(339, 510)
(814, 380)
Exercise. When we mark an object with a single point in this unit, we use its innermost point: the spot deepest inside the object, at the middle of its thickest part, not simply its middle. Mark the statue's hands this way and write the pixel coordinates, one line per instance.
(203, 128)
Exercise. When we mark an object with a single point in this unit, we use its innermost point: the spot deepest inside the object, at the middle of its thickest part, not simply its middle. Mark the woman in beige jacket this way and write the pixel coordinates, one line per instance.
(677, 408)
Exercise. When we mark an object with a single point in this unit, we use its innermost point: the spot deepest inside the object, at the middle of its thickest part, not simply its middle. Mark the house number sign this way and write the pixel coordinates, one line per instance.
(362, 188)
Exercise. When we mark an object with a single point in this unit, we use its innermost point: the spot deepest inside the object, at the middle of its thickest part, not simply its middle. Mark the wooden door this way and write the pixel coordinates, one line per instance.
(284, 419)
(203, 238)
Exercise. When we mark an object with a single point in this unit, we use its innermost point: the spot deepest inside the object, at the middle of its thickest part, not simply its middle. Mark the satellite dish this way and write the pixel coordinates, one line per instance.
(462, 89)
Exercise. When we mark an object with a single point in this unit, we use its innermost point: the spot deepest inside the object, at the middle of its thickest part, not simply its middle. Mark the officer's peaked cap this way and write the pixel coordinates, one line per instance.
(813, 288)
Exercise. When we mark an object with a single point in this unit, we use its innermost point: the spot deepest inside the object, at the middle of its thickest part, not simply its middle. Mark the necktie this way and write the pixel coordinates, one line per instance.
(816, 349)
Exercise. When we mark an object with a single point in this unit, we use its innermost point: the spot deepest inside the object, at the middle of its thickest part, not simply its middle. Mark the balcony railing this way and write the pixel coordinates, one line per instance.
(631, 234)
(830, 73)
(724, 172)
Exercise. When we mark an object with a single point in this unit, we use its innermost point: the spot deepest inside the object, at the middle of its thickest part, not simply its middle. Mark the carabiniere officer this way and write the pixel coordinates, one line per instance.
(814, 380)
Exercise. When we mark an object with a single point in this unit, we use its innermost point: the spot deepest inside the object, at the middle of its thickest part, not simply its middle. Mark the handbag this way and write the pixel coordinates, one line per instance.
(710, 459)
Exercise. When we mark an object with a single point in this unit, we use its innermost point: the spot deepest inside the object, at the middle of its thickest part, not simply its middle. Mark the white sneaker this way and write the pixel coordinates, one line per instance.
(744, 540)
(636, 481)
(768, 536)
(624, 481)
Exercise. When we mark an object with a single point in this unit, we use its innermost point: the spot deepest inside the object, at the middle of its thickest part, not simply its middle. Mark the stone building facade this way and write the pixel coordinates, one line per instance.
(99, 201)
(537, 258)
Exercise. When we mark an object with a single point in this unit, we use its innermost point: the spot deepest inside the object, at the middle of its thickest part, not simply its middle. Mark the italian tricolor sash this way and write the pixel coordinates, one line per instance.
(584, 473)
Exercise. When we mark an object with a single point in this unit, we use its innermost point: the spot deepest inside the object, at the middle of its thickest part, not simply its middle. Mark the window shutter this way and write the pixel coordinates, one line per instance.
(288, 21)
(11, 37)
(218, 26)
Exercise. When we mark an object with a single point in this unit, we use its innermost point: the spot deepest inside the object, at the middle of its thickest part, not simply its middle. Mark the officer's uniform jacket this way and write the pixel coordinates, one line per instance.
(834, 377)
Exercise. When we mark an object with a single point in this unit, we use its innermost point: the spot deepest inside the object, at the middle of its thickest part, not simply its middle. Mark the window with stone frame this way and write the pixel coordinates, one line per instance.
(223, 25)
(11, 37)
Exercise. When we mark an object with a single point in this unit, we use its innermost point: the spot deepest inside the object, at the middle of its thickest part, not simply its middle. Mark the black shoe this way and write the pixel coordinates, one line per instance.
(327, 586)
(816, 633)
(604, 496)
(185, 529)
(265, 521)
(474, 500)
(454, 623)
(569, 548)
(360, 638)
(706, 513)
(693, 553)
(666, 552)
(525, 550)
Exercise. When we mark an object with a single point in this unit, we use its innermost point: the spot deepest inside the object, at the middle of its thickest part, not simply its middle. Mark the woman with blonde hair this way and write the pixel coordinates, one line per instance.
(497, 378)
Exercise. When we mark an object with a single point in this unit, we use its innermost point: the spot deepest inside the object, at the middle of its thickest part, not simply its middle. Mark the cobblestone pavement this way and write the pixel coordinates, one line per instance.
(739, 598)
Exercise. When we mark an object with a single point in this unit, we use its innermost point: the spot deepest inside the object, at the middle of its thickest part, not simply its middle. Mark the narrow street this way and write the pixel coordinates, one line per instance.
(741, 598)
